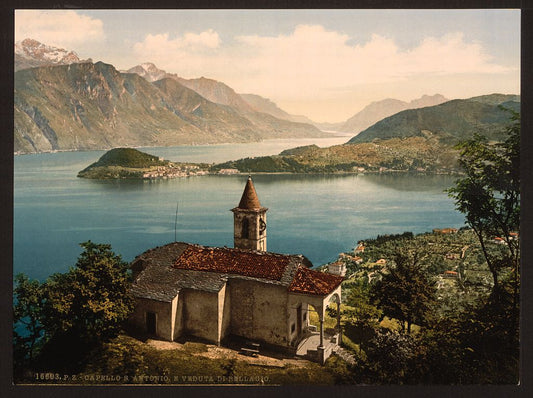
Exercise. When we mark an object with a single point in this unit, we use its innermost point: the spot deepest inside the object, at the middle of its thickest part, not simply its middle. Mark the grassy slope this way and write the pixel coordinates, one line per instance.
(397, 153)
(127, 356)
(450, 122)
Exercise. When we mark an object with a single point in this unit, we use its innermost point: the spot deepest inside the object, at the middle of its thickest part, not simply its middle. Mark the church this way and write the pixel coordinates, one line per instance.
(219, 293)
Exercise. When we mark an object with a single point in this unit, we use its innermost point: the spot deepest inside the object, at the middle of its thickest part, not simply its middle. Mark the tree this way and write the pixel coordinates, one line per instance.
(27, 312)
(360, 316)
(391, 358)
(92, 300)
(489, 196)
(405, 292)
(72, 312)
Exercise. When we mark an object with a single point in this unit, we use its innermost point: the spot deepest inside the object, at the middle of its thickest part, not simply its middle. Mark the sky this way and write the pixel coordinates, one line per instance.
(324, 64)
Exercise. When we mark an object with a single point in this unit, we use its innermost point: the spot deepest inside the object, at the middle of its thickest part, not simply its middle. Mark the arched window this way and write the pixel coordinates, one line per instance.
(245, 228)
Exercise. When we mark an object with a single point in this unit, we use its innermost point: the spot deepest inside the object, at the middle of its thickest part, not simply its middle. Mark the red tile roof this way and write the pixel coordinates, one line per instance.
(233, 261)
(308, 281)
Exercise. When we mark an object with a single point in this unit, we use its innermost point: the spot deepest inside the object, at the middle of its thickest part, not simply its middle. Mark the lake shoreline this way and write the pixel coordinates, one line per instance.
(347, 173)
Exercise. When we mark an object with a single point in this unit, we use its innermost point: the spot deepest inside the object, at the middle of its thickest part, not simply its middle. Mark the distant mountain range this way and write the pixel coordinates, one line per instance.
(378, 110)
(93, 106)
(415, 140)
(262, 104)
(65, 103)
(450, 122)
(30, 53)
(220, 93)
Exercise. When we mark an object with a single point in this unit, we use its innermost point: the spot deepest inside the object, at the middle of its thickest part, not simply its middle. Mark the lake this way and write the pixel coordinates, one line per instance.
(318, 216)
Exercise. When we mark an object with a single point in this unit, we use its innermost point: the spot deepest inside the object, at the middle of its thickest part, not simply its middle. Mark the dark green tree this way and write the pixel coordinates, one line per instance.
(360, 317)
(405, 291)
(489, 197)
(27, 314)
(65, 317)
(92, 300)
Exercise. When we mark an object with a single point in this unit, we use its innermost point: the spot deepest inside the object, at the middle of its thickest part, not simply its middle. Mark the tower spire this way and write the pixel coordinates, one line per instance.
(249, 199)
(249, 219)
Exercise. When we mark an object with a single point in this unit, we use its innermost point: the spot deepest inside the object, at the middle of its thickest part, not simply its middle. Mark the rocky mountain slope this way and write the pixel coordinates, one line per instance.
(93, 106)
(378, 110)
(30, 53)
(220, 93)
(210, 89)
(262, 104)
(450, 122)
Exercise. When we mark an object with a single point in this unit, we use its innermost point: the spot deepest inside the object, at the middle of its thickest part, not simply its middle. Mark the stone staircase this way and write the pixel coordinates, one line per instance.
(344, 354)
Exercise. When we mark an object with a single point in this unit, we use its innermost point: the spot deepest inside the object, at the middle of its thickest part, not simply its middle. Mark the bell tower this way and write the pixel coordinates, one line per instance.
(249, 221)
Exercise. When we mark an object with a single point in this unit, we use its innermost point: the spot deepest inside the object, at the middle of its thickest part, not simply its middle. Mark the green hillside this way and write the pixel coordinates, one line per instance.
(128, 157)
(449, 122)
(420, 140)
(398, 154)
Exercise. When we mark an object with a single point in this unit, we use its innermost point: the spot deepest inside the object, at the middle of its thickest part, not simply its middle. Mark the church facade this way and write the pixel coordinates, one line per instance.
(215, 293)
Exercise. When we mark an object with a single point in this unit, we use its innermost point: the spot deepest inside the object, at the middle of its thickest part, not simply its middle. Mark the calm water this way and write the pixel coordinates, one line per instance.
(315, 215)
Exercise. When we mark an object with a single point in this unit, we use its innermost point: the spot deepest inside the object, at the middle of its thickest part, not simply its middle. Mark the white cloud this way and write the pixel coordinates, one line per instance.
(448, 55)
(312, 60)
(161, 44)
(59, 28)
(191, 54)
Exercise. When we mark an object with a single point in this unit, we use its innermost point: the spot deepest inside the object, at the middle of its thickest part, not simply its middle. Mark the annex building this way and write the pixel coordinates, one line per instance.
(220, 293)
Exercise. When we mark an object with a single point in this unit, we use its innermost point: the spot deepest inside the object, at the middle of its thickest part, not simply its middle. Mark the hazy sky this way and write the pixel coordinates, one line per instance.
(325, 64)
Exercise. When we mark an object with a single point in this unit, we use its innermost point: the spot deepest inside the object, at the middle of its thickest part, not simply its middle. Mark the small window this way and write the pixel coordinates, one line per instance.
(245, 229)
(293, 328)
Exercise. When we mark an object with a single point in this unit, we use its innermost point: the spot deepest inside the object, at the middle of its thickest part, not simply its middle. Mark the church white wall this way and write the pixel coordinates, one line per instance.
(224, 311)
(259, 311)
(200, 314)
(164, 316)
(178, 318)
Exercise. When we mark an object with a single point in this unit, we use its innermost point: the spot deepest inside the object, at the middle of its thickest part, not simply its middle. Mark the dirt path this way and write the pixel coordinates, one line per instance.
(216, 352)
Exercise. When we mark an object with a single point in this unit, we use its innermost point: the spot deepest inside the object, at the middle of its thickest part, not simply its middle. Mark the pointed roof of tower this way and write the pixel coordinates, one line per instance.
(249, 199)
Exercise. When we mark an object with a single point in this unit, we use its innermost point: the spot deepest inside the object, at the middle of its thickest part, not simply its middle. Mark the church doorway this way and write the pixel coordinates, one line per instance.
(150, 322)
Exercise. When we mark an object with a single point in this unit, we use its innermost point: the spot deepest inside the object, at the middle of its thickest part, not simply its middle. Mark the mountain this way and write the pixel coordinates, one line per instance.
(378, 110)
(414, 154)
(220, 93)
(150, 72)
(414, 140)
(30, 53)
(264, 105)
(93, 106)
(216, 92)
(210, 89)
(450, 122)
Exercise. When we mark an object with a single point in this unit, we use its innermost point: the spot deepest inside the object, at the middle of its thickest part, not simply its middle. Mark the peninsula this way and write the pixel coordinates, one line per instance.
(129, 163)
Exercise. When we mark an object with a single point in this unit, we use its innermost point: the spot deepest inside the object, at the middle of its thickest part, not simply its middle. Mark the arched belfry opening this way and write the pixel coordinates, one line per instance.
(249, 217)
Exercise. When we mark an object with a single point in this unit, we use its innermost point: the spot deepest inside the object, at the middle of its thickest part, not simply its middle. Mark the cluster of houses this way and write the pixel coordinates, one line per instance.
(501, 241)
(445, 230)
(228, 171)
(339, 267)
(174, 171)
